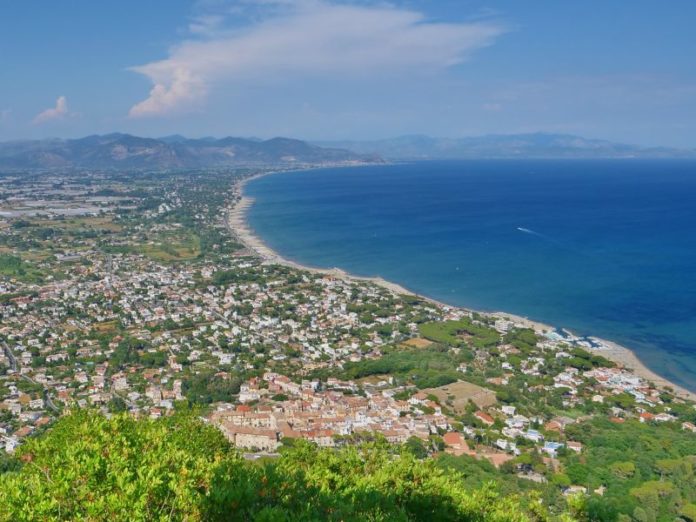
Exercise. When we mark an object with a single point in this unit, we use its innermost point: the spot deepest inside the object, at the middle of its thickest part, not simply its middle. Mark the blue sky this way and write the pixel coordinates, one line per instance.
(323, 69)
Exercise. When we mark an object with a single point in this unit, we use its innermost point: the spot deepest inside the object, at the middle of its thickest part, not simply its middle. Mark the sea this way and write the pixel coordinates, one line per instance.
(602, 247)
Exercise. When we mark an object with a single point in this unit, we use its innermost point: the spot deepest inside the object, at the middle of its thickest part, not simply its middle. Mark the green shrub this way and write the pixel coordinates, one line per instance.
(88, 467)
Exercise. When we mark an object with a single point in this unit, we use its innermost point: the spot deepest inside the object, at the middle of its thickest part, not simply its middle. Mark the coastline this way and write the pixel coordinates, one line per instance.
(238, 225)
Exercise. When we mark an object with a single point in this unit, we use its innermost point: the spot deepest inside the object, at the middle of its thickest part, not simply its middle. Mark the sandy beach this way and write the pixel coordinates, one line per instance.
(238, 225)
(626, 358)
(237, 222)
(621, 355)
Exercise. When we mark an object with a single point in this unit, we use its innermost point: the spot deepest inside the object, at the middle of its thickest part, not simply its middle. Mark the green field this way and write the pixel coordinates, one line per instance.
(460, 333)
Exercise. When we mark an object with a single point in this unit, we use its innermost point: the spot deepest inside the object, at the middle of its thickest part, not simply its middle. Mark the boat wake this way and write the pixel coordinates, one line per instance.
(529, 231)
(561, 244)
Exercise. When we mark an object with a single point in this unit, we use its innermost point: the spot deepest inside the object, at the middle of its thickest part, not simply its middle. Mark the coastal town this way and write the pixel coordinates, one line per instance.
(348, 261)
(144, 294)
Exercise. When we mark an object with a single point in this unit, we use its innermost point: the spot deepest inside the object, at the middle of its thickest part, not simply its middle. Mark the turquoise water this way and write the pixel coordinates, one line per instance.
(605, 248)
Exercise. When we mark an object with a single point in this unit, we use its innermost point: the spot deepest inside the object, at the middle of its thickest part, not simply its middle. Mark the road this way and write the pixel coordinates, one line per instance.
(15, 367)
(10, 356)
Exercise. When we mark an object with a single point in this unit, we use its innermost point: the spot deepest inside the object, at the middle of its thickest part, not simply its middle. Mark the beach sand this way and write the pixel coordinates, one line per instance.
(626, 358)
(238, 225)
(237, 222)
(622, 356)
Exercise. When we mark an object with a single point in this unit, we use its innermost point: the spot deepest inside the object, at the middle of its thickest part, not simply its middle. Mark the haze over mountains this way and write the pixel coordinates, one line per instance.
(535, 145)
(133, 152)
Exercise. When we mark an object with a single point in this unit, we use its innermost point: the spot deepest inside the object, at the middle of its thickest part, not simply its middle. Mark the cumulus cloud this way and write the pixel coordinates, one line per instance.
(58, 112)
(310, 38)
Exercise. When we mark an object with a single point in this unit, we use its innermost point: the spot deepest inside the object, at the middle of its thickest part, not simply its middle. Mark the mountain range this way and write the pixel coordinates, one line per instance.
(124, 151)
(536, 145)
(132, 152)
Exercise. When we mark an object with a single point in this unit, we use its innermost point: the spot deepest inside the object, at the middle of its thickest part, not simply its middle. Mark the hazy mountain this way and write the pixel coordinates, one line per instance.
(176, 151)
(538, 145)
(132, 152)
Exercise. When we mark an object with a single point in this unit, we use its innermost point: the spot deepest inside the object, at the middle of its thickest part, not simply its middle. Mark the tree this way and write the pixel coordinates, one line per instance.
(8, 463)
(561, 480)
(437, 442)
(623, 469)
(416, 447)
(88, 467)
(117, 404)
(688, 511)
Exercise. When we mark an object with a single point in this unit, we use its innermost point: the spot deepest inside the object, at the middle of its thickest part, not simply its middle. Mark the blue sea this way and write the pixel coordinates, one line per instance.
(604, 248)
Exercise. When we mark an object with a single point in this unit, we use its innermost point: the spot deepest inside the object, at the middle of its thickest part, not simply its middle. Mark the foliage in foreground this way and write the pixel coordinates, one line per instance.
(91, 467)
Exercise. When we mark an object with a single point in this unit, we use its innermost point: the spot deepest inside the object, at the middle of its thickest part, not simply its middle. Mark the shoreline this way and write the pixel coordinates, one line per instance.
(236, 220)
(238, 225)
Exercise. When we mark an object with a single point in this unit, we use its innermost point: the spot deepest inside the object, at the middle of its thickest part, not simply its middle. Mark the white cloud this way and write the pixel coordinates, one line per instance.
(58, 112)
(205, 24)
(306, 38)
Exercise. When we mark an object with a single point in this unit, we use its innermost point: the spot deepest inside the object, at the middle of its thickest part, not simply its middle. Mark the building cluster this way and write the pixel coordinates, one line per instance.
(326, 413)
(73, 342)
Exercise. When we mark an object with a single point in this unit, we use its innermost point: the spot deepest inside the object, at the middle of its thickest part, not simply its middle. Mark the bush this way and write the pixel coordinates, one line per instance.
(178, 468)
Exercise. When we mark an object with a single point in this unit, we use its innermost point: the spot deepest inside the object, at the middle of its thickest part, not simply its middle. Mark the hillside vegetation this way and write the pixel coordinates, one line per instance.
(88, 467)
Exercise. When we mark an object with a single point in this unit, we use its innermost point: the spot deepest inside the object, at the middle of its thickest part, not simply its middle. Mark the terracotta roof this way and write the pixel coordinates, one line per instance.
(453, 439)
(484, 417)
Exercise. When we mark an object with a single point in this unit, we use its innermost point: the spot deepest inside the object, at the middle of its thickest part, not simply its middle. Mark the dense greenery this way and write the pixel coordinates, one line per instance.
(479, 471)
(649, 471)
(206, 387)
(14, 266)
(460, 333)
(426, 368)
(91, 467)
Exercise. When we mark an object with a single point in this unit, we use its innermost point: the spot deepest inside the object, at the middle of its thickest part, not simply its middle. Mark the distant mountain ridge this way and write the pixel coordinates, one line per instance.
(132, 152)
(125, 151)
(536, 145)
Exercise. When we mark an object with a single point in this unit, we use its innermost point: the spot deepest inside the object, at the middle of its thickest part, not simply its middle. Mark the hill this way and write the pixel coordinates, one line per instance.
(125, 151)
(537, 145)
(88, 467)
